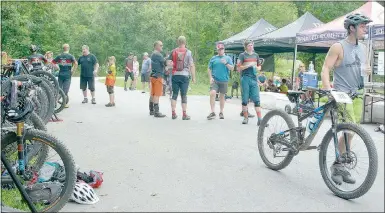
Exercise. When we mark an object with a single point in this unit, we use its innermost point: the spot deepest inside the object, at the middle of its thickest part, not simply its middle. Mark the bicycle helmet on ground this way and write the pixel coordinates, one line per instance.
(84, 194)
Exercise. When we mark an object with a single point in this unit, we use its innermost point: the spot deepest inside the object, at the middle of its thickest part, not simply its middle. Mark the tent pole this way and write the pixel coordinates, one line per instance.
(293, 71)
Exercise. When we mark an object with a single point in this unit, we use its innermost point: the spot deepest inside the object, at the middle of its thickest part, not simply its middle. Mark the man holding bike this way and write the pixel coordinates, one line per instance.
(348, 59)
(36, 60)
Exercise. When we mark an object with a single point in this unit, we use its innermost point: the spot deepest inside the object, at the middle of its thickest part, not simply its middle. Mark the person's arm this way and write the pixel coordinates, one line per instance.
(54, 63)
(96, 66)
(330, 61)
(74, 65)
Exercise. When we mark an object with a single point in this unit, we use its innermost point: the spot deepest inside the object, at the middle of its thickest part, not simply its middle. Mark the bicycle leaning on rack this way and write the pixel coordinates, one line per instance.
(23, 160)
(292, 140)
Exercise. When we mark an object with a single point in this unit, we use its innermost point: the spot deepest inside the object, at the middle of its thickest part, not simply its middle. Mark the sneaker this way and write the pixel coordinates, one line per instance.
(159, 115)
(152, 112)
(85, 101)
(339, 173)
(143, 92)
(125, 88)
(221, 116)
(211, 116)
(66, 106)
(245, 121)
(186, 117)
(109, 105)
(174, 116)
(93, 101)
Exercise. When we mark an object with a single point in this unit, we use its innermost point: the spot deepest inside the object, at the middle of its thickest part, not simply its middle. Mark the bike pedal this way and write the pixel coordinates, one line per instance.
(312, 147)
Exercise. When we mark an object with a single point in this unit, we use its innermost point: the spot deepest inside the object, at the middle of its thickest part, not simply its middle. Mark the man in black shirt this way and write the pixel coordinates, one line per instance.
(36, 60)
(89, 67)
(67, 66)
(158, 64)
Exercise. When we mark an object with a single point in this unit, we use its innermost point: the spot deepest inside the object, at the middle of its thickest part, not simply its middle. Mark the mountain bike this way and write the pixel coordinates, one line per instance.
(288, 142)
(23, 168)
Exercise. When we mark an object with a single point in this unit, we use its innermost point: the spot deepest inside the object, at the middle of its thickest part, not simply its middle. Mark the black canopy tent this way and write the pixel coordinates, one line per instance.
(283, 39)
(261, 27)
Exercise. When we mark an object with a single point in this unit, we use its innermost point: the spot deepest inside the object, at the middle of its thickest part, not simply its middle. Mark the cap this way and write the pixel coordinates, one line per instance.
(220, 45)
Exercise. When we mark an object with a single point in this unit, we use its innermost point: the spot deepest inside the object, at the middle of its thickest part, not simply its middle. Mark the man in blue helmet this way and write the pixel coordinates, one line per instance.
(348, 59)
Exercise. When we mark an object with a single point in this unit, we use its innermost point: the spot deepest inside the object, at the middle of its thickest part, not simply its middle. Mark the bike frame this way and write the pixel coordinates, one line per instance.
(322, 111)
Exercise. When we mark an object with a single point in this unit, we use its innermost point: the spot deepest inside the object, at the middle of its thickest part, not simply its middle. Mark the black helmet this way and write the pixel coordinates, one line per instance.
(356, 19)
(33, 48)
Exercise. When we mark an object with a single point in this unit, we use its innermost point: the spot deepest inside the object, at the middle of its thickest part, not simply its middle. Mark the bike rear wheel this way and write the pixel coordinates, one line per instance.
(61, 101)
(363, 183)
(264, 144)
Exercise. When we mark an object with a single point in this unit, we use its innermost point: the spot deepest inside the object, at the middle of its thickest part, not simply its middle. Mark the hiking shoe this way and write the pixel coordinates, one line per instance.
(221, 116)
(211, 116)
(159, 115)
(152, 112)
(245, 121)
(125, 88)
(85, 101)
(110, 105)
(339, 173)
(93, 101)
(143, 92)
(186, 117)
(174, 116)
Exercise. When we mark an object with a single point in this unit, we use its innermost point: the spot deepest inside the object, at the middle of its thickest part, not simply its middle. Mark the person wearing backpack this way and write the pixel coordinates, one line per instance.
(183, 68)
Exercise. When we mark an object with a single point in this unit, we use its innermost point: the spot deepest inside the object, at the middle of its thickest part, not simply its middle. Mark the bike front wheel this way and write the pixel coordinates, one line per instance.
(351, 179)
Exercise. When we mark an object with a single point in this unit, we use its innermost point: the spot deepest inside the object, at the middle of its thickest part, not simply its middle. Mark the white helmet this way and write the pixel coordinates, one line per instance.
(84, 194)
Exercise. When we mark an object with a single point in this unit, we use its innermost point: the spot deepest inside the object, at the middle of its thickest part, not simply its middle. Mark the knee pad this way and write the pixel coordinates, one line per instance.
(244, 103)
(184, 99)
(257, 104)
(174, 96)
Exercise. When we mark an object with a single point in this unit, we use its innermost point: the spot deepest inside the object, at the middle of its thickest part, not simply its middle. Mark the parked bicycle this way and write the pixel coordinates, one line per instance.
(45, 183)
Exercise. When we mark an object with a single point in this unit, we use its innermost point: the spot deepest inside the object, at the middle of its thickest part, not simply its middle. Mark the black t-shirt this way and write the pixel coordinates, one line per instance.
(157, 64)
(65, 61)
(87, 64)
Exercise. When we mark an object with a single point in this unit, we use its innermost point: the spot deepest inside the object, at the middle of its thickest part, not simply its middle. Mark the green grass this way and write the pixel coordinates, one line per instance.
(12, 198)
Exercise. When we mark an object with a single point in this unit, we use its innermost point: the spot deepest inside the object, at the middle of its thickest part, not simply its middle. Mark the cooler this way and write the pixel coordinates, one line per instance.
(310, 80)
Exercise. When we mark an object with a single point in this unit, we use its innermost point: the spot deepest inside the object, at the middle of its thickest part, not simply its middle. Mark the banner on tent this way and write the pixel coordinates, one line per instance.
(378, 32)
(320, 37)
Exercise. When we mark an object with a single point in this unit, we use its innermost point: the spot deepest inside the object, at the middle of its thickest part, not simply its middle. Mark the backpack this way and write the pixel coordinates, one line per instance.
(178, 59)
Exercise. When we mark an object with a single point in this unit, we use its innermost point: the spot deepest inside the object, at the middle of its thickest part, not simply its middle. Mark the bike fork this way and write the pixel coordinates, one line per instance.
(20, 147)
(18, 184)
(334, 131)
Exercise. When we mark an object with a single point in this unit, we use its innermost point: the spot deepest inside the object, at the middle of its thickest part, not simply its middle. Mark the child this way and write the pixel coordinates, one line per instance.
(283, 88)
(110, 80)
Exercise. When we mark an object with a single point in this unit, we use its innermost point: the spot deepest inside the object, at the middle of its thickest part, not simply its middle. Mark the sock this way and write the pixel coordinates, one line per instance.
(259, 115)
(245, 114)
(156, 107)
(173, 112)
(151, 106)
(184, 113)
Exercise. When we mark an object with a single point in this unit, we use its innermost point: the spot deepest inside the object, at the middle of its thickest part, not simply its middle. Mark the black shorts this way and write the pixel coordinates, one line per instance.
(110, 89)
(145, 77)
(90, 81)
(179, 82)
(129, 74)
(64, 84)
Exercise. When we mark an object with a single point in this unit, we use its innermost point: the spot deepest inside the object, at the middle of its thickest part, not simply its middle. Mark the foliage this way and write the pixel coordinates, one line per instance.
(117, 28)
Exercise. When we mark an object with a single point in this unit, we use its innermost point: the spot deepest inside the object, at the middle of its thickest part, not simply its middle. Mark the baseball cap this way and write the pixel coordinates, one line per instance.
(220, 45)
